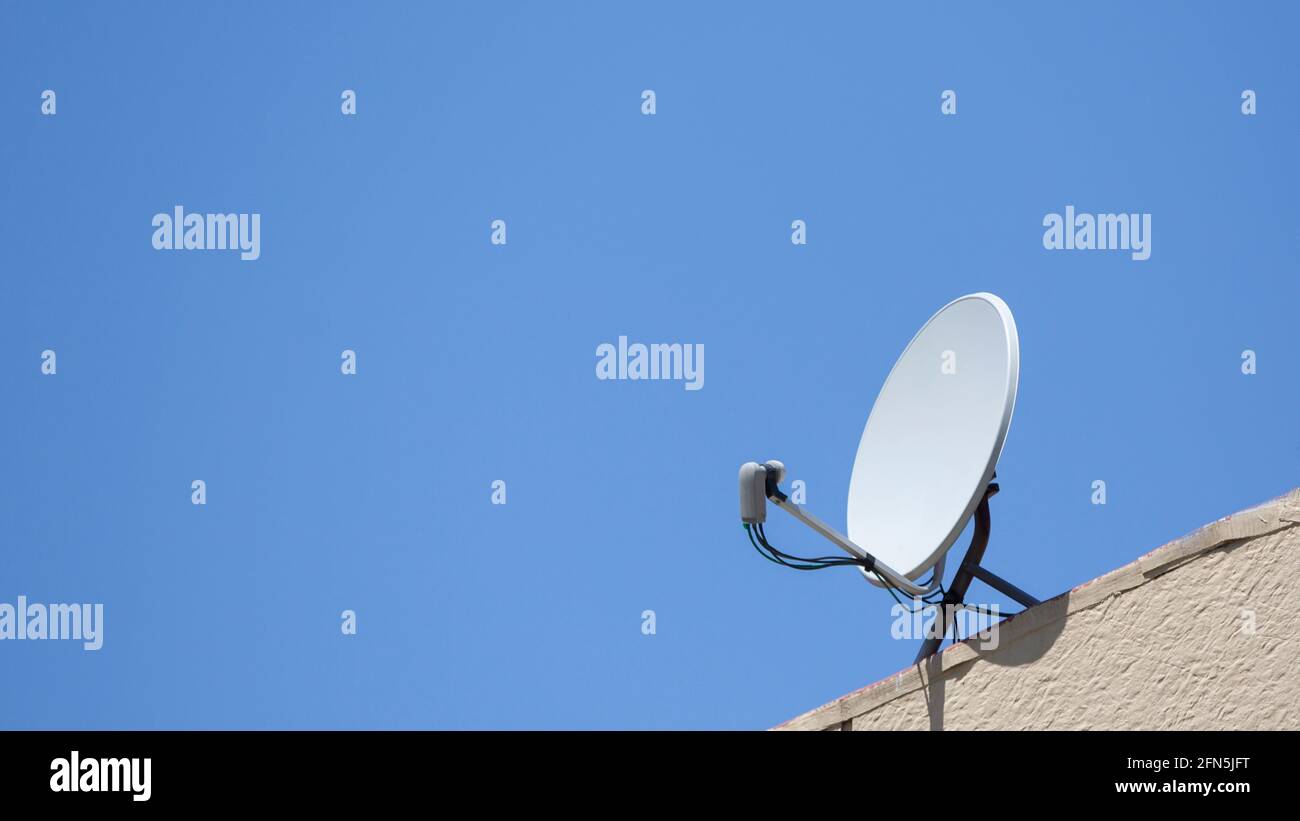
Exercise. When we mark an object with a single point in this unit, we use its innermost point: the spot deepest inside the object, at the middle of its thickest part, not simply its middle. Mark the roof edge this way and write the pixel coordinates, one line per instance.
(1280, 513)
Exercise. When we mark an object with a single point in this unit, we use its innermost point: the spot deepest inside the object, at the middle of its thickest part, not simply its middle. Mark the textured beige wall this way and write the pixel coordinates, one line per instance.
(1161, 643)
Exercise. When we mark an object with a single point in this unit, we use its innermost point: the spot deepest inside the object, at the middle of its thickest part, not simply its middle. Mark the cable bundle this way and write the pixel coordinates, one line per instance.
(759, 540)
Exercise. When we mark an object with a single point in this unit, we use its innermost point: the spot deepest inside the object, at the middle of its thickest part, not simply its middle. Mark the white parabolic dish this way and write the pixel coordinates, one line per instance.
(933, 439)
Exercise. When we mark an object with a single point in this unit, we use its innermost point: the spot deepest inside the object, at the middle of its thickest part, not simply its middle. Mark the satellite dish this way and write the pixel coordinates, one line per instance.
(925, 464)
(934, 435)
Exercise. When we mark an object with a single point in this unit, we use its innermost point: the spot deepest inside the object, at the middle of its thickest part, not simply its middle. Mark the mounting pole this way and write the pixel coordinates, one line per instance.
(970, 569)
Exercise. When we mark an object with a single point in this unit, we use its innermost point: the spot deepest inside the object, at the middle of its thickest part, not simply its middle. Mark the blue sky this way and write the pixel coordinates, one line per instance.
(476, 362)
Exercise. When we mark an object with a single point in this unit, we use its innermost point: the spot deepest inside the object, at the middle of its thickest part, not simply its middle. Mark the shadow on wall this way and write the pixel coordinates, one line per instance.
(1023, 649)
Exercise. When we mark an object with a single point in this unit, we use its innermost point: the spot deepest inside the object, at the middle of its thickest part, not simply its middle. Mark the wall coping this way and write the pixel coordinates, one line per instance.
(1272, 516)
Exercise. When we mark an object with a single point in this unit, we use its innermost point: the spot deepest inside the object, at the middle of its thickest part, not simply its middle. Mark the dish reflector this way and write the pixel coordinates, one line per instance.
(934, 435)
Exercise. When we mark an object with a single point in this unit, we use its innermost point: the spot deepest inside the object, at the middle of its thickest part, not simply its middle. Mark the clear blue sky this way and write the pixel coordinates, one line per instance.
(476, 362)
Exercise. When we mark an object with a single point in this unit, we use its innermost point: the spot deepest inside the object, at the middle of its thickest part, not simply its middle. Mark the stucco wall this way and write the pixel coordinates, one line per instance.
(1162, 643)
